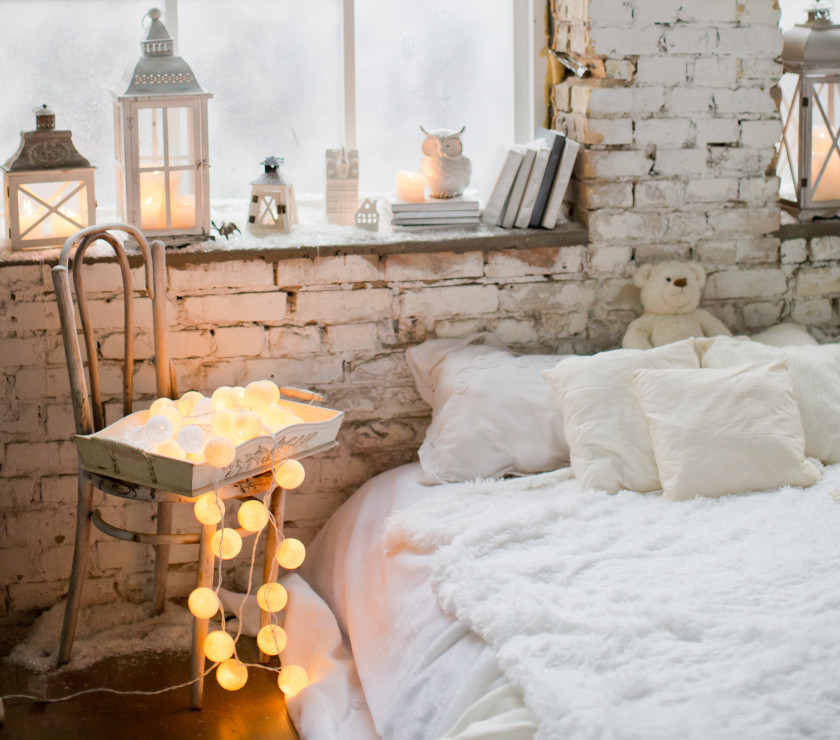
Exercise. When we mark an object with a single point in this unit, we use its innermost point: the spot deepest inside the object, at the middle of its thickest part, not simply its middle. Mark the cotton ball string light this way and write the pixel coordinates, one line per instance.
(289, 474)
(174, 416)
(272, 639)
(273, 417)
(246, 425)
(253, 516)
(226, 543)
(136, 435)
(219, 646)
(232, 674)
(186, 403)
(223, 423)
(219, 452)
(258, 394)
(272, 597)
(171, 448)
(203, 602)
(292, 679)
(203, 406)
(290, 553)
(209, 508)
(196, 458)
(159, 429)
(224, 397)
(191, 438)
(160, 403)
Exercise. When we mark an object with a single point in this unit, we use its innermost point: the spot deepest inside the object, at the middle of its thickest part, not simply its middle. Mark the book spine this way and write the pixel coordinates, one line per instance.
(561, 184)
(501, 191)
(531, 190)
(548, 179)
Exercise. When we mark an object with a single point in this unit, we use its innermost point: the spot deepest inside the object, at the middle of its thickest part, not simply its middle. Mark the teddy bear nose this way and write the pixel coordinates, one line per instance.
(680, 282)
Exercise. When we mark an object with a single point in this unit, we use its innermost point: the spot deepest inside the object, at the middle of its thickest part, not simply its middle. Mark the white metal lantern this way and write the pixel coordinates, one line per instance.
(48, 187)
(161, 144)
(809, 157)
(273, 207)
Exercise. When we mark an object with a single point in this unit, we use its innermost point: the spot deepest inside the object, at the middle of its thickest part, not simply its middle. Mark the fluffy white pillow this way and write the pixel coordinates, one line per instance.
(492, 412)
(718, 432)
(611, 448)
(815, 373)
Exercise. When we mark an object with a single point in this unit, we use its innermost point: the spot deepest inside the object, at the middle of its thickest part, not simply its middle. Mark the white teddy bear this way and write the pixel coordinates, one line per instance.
(670, 293)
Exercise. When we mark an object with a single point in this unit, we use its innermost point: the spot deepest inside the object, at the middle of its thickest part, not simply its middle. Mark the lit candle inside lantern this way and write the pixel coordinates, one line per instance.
(153, 205)
(411, 186)
(828, 187)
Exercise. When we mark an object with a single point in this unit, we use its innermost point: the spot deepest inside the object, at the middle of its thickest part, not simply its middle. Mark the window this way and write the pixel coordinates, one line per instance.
(274, 68)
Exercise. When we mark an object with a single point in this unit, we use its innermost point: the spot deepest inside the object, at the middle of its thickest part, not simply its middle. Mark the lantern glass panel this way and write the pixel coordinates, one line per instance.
(825, 156)
(787, 168)
(268, 208)
(180, 131)
(52, 209)
(182, 198)
(150, 137)
(152, 201)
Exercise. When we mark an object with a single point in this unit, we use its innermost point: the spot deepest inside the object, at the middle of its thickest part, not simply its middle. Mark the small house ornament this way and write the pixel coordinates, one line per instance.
(342, 192)
(163, 164)
(367, 217)
(273, 208)
(48, 187)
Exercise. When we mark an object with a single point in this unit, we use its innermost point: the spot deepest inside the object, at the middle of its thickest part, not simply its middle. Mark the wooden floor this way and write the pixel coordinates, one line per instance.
(255, 712)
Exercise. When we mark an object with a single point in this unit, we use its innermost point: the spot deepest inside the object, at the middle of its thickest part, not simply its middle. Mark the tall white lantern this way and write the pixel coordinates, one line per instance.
(48, 187)
(161, 144)
(809, 156)
(273, 207)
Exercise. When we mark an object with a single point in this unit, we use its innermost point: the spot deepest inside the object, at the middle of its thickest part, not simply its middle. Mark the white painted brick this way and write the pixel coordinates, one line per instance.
(672, 133)
(21, 316)
(611, 226)
(727, 160)
(294, 340)
(755, 190)
(681, 162)
(760, 68)
(20, 352)
(239, 341)
(744, 100)
(711, 190)
(516, 332)
(762, 314)
(689, 39)
(820, 281)
(623, 100)
(794, 251)
(243, 275)
(599, 194)
(614, 11)
(349, 337)
(612, 164)
(184, 344)
(521, 262)
(329, 306)
(441, 265)
(757, 283)
(616, 41)
(745, 221)
(650, 193)
(559, 297)
(619, 69)
(608, 131)
(216, 310)
(812, 313)
(687, 226)
(825, 248)
(713, 252)
(715, 71)
(353, 268)
(760, 134)
(655, 70)
(468, 300)
(750, 41)
(716, 131)
(610, 260)
(757, 12)
(690, 99)
(759, 249)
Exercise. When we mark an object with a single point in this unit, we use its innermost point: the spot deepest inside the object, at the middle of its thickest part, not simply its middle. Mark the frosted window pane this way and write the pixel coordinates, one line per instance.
(150, 136)
(439, 64)
(274, 68)
(180, 133)
(825, 161)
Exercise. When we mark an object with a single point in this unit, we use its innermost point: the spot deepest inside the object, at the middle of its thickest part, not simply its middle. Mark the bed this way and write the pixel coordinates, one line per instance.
(636, 544)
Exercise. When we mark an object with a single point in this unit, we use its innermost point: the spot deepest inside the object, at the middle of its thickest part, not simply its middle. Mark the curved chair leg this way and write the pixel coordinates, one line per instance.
(79, 567)
(277, 506)
(165, 513)
(205, 578)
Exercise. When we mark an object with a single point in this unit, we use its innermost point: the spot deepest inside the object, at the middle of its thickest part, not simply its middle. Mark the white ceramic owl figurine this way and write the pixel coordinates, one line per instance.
(447, 171)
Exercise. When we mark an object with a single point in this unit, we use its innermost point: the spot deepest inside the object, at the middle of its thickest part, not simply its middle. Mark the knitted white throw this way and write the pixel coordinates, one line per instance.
(630, 616)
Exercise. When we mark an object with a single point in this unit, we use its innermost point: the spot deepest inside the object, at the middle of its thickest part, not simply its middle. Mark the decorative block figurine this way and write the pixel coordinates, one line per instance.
(273, 207)
(342, 192)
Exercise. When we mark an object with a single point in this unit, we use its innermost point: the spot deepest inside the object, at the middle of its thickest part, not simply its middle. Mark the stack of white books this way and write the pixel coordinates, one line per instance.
(435, 213)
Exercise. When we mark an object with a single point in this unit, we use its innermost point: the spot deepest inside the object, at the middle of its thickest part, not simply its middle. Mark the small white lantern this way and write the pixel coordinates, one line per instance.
(273, 208)
(48, 187)
(342, 192)
(161, 143)
(809, 157)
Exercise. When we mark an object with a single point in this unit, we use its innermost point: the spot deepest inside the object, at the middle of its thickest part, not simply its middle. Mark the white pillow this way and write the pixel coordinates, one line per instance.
(492, 412)
(718, 432)
(815, 373)
(607, 433)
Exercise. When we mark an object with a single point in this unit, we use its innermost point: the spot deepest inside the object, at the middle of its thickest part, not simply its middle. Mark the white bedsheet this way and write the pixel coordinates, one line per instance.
(425, 676)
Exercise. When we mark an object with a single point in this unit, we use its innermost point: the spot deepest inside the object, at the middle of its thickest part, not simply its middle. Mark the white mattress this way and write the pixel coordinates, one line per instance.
(424, 675)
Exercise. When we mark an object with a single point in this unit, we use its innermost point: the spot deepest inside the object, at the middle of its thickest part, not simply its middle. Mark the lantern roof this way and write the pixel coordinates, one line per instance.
(272, 175)
(45, 148)
(815, 43)
(159, 71)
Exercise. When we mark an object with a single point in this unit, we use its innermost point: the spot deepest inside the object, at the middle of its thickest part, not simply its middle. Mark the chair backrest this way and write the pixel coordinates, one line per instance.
(88, 410)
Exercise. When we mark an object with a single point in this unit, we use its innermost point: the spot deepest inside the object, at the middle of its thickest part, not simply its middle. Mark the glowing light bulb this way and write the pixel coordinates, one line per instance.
(203, 406)
(174, 416)
(232, 674)
(289, 474)
(191, 438)
(290, 553)
(253, 516)
(247, 425)
(223, 423)
(226, 543)
(224, 397)
(292, 679)
(171, 448)
(160, 403)
(258, 395)
(186, 403)
(273, 417)
(272, 639)
(208, 508)
(219, 452)
(219, 646)
(159, 429)
(272, 597)
(203, 602)
(239, 392)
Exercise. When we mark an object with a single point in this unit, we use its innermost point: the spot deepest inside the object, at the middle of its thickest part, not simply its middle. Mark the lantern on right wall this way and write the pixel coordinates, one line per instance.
(808, 154)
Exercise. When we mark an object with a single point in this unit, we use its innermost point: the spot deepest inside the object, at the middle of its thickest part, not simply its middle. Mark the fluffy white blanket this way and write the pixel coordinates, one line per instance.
(630, 616)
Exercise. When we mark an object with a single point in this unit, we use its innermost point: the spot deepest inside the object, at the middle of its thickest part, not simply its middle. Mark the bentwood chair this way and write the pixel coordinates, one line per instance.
(89, 417)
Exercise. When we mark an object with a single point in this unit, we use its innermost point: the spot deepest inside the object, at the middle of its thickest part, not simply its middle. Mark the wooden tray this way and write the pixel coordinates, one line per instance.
(102, 453)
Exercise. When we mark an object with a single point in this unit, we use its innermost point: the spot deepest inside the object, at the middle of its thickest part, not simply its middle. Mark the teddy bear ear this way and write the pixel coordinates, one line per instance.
(699, 273)
(642, 275)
